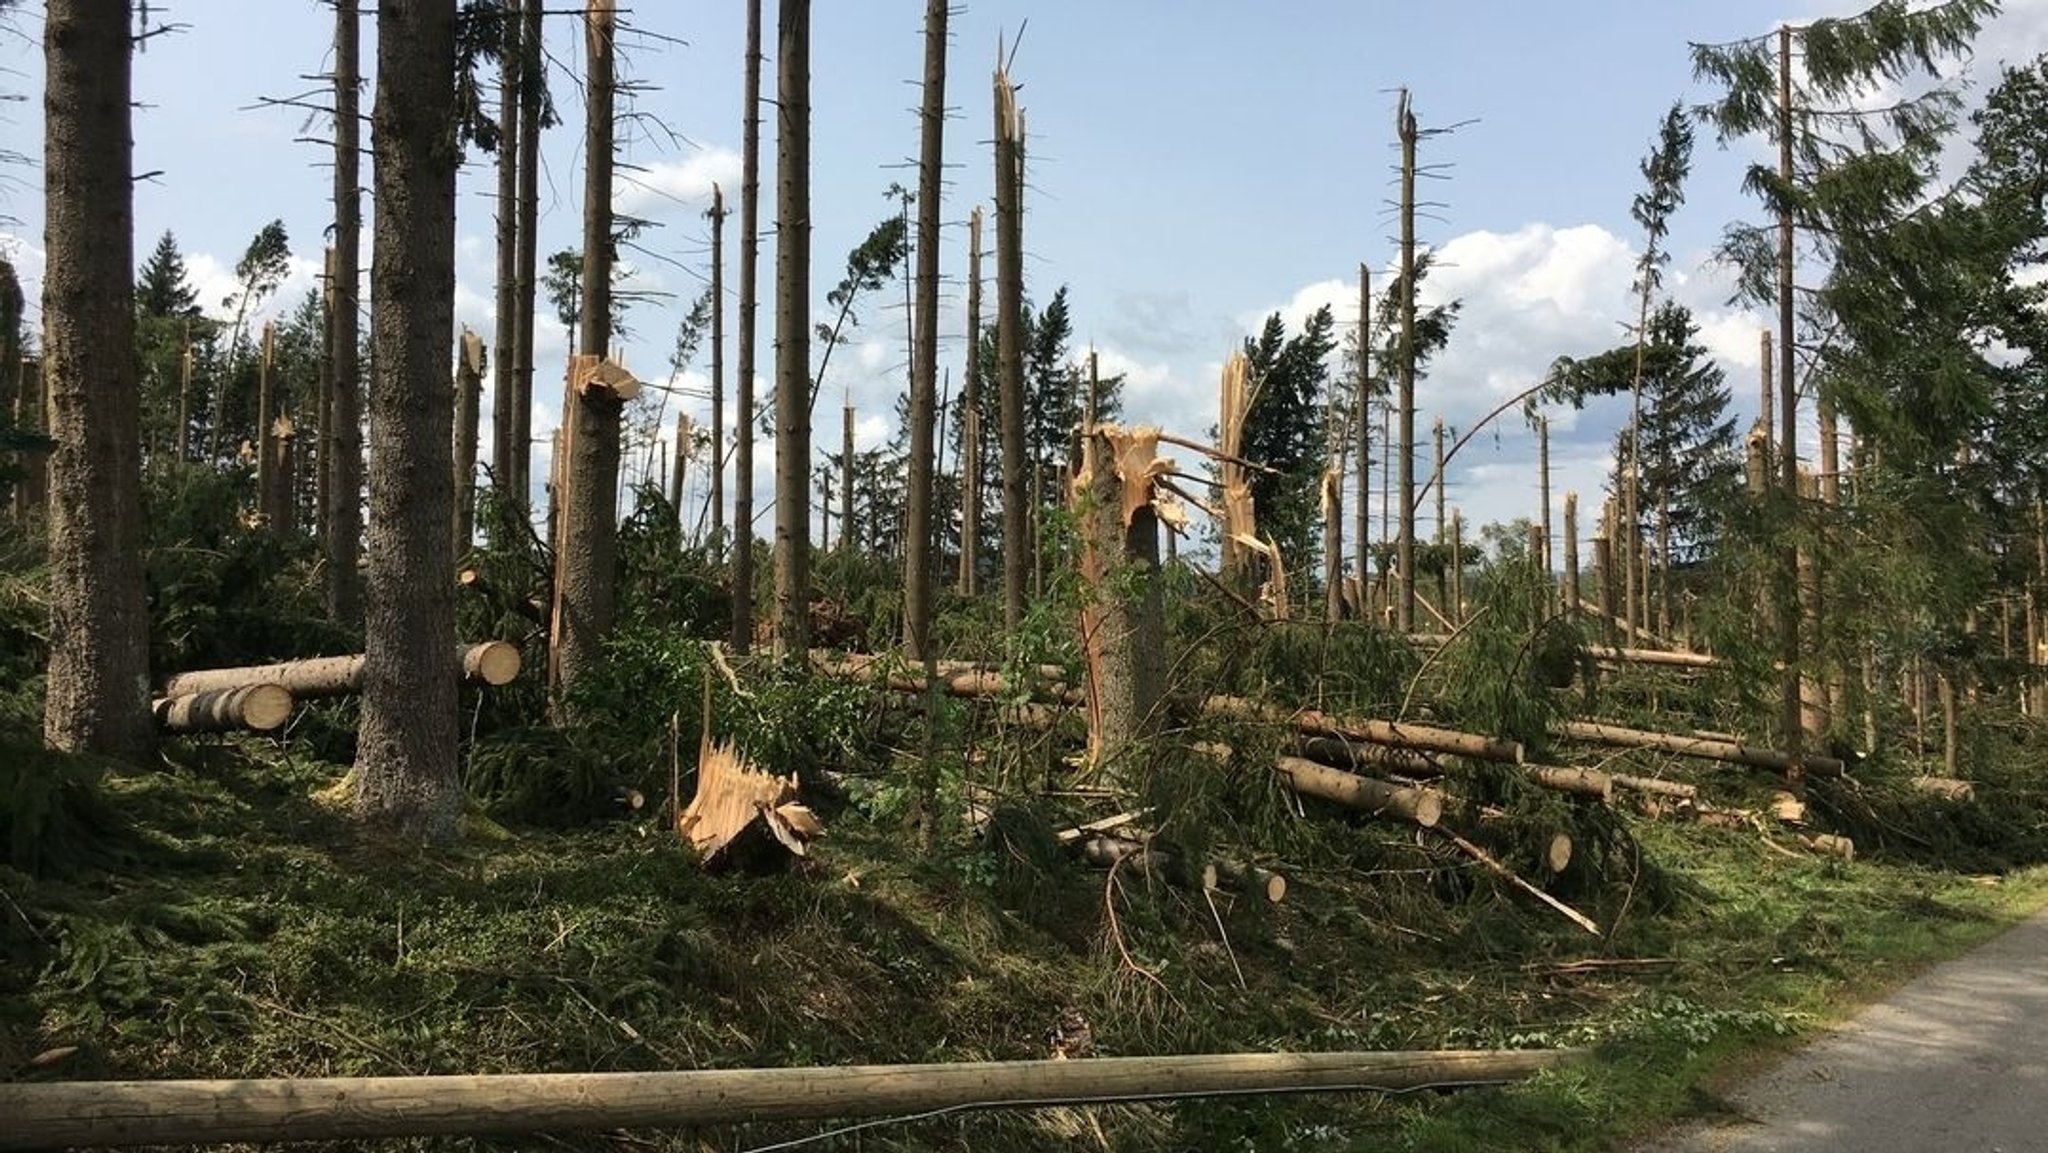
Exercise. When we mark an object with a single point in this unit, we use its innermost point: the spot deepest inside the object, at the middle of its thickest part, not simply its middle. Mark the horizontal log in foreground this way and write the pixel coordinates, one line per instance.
(260, 708)
(41, 1116)
(490, 663)
(1716, 750)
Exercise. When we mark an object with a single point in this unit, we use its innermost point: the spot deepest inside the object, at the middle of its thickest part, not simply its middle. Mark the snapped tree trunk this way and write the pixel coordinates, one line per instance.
(1123, 611)
(793, 329)
(1009, 150)
(718, 215)
(742, 635)
(586, 564)
(532, 87)
(405, 777)
(469, 387)
(970, 420)
(343, 438)
(1404, 605)
(503, 322)
(97, 695)
(924, 349)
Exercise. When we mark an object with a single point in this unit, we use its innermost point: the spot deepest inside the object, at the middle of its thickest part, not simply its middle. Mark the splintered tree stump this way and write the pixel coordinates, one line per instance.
(260, 708)
(1123, 611)
(491, 663)
(742, 815)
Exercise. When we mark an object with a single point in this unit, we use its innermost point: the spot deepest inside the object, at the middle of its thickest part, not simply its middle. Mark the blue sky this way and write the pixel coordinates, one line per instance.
(1194, 166)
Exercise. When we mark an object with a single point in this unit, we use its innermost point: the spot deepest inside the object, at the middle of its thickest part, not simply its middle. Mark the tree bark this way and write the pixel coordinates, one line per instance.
(252, 708)
(343, 438)
(1009, 151)
(1362, 415)
(1788, 424)
(970, 422)
(1404, 605)
(1399, 734)
(504, 357)
(469, 385)
(532, 86)
(793, 329)
(266, 467)
(718, 215)
(1422, 807)
(1710, 749)
(742, 637)
(490, 663)
(1123, 612)
(586, 584)
(97, 695)
(405, 778)
(924, 352)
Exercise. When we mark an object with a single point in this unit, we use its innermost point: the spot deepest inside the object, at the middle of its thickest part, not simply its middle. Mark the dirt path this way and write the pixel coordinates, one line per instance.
(1956, 1061)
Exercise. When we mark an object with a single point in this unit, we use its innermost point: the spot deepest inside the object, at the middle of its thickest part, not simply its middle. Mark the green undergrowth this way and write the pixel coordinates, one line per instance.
(227, 926)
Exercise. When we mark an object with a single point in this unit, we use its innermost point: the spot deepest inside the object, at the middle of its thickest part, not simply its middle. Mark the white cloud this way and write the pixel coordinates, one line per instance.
(669, 187)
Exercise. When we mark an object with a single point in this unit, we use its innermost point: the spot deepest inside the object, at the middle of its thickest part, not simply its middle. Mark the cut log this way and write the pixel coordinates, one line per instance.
(1423, 738)
(1354, 755)
(955, 678)
(735, 800)
(1249, 878)
(252, 708)
(1787, 809)
(1947, 788)
(74, 1113)
(1619, 737)
(1676, 790)
(1578, 782)
(1830, 845)
(1557, 853)
(1423, 807)
(1104, 850)
(491, 663)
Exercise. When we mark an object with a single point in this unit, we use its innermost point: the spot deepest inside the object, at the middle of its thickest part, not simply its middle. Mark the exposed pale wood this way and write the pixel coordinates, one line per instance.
(1081, 832)
(1829, 845)
(1578, 782)
(1557, 852)
(1787, 809)
(490, 663)
(1947, 788)
(1423, 807)
(1677, 790)
(1620, 737)
(356, 1108)
(1510, 876)
(257, 708)
(1399, 734)
(1340, 753)
(1249, 878)
(1104, 850)
(732, 796)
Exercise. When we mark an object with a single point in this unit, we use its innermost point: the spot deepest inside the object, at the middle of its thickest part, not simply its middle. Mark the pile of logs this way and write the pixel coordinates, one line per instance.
(260, 698)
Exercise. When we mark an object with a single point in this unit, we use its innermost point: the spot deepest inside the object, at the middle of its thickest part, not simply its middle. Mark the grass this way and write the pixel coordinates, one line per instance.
(233, 928)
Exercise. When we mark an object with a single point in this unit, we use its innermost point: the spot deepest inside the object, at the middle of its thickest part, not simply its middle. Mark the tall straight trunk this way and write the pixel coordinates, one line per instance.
(405, 779)
(1455, 610)
(1333, 538)
(585, 585)
(266, 468)
(1009, 150)
(532, 86)
(1443, 528)
(325, 402)
(970, 420)
(1361, 415)
(1571, 555)
(1788, 424)
(845, 481)
(924, 353)
(344, 435)
(1543, 560)
(469, 388)
(97, 696)
(1768, 397)
(185, 397)
(1404, 610)
(679, 467)
(504, 384)
(718, 215)
(743, 416)
(793, 329)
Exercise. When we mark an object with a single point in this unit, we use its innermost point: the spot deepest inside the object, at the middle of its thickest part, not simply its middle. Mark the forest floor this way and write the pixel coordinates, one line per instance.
(228, 926)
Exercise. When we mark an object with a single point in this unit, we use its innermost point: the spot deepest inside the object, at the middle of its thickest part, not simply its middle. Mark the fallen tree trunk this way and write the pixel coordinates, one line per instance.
(1716, 750)
(1578, 782)
(954, 678)
(1249, 878)
(1342, 754)
(1676, 790)
(1947, 788)
(1423, 738)
(1106, 850)
(1615, 654)
(258, 708)
(357, 1108)
(1422, 807)
(1509, 875)
(1555, 850)
(490, 663)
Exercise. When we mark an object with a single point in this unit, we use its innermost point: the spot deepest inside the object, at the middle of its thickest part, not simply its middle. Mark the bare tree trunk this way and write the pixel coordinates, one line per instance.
(1443, 524)
(1361, 414)
(585, 585)
(1017, 564)
(1123, 612)
(504, 386)
(97, 697)
(718, 215)
(924, 352)
(1571, 555)
(845, 481)
(679, 468)
(268, 482)
(1456, 608)
(1404, 610)
(742, 637)
(793, 329)
(469, 387)
(970, 422)
(343, 438)
(405, 779)
(1543, 559)
(1788, 426)
(1333, 538)
(532, 82)
(185, 397)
